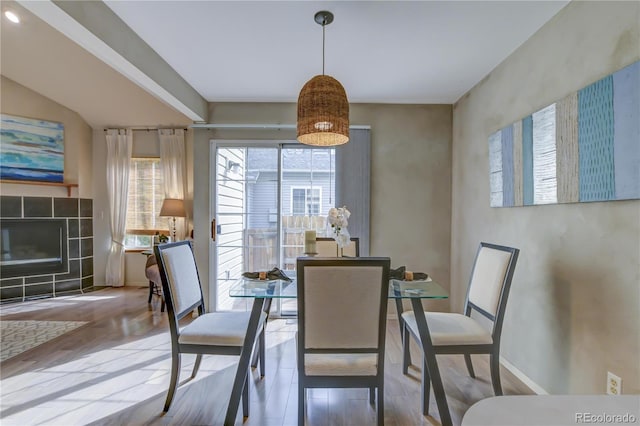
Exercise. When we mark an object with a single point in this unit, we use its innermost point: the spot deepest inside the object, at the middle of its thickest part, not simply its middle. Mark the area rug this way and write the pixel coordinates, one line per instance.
(19, 336)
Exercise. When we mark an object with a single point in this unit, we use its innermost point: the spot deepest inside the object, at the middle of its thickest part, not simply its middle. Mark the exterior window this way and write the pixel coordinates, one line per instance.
(146, 193)
(306, 201)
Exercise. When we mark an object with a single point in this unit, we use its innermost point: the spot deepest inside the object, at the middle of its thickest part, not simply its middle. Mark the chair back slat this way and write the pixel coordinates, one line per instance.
(342, 306)
(178, 268)
(328, 247)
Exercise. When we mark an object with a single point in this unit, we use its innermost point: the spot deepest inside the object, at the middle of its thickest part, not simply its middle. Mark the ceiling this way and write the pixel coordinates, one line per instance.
(264, 51)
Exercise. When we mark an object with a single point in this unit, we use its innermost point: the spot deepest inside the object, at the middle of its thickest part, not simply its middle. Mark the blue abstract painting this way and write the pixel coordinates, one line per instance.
(31, 150)
(584, 147)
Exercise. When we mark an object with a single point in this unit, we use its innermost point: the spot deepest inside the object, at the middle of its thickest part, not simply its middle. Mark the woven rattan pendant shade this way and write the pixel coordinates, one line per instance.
(323, 108)
(323, 112)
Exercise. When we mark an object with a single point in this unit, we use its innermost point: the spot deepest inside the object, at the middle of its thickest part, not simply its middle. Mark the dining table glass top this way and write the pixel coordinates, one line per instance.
(281, 289)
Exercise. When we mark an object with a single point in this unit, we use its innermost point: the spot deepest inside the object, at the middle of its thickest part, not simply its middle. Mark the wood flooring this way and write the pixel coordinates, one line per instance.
(115, 371)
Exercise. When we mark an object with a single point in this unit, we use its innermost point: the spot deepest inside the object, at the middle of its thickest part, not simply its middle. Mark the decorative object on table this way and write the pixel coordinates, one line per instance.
(338, 218)
(31, 150)
(323, 108)
(159, 238)
(273, 274)
(310, 243)
(401, 273)
(173, 207)
(585, 147)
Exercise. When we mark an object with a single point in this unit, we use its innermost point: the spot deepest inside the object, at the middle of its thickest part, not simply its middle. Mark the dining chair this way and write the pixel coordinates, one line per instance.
(328, 247)
(342, 309)
(453, 333)
(217, 333)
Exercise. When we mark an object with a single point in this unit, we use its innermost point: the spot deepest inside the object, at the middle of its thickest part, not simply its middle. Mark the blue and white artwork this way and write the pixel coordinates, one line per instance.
(585, 147)
(31, 150)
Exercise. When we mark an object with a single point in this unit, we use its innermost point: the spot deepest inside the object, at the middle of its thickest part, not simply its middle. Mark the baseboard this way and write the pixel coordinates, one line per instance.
(137, 284)
(539, 390)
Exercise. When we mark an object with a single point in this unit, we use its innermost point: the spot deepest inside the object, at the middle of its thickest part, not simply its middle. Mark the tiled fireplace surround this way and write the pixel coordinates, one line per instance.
(79, 277)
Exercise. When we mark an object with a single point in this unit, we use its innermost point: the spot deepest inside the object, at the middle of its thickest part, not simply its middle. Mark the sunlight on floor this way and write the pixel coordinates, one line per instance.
(99, 384)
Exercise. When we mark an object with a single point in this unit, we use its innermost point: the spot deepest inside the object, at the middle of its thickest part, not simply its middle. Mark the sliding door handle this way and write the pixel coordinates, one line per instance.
(213, 229)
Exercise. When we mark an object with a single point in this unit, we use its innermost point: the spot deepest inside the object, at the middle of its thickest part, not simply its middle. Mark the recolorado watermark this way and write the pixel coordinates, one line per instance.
(604, 418)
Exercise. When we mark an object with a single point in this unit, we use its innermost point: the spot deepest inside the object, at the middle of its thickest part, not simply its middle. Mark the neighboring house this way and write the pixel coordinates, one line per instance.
(308, 184)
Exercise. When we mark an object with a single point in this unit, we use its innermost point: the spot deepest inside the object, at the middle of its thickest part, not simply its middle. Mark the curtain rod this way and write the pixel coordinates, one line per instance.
(148, 129)
(258, 126)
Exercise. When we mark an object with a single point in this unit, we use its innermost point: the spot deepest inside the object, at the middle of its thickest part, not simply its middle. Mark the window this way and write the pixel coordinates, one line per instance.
(146, 193)
(306, 201)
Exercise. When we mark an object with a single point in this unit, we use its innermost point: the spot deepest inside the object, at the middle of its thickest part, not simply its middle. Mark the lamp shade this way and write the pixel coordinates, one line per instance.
(323, 112)
(173, 207)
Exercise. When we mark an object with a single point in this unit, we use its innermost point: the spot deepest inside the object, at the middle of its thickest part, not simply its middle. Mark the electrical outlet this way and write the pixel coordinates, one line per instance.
(614, 384)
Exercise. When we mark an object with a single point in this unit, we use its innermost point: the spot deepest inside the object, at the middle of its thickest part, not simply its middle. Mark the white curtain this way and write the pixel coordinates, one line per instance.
(119, 145)
(172, 160)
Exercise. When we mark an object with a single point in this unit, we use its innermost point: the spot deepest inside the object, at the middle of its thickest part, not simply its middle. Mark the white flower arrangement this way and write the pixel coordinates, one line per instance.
(339, 220)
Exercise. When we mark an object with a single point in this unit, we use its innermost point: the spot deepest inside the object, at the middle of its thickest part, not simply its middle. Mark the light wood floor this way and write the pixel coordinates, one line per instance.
(115, 371)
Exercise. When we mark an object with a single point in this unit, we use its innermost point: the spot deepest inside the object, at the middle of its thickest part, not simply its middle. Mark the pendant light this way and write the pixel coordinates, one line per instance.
(323, 108)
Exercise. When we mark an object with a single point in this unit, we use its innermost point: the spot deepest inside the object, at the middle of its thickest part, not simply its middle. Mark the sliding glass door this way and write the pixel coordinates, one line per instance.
(265, 198)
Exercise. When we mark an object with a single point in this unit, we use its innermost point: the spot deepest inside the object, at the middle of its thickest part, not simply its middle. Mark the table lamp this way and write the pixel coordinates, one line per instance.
(173, 207)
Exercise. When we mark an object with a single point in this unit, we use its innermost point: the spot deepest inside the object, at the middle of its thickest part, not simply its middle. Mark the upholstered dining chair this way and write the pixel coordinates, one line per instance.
(342, 309)
(217, 333)
(152, 273)
(453, 333)
(328, 247)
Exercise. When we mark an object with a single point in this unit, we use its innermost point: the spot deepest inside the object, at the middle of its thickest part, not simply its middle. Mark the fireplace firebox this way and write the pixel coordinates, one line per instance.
(33, 247)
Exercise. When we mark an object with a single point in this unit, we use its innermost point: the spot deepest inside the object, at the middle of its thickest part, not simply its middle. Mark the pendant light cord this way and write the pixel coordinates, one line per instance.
(323, 25)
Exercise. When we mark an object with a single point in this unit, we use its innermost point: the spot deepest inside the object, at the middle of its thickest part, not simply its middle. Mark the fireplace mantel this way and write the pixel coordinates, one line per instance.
(20, 182)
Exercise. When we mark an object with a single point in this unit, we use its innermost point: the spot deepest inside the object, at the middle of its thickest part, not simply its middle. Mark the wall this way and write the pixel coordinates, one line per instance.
(573, 313)
(410, 178)
(16, 99)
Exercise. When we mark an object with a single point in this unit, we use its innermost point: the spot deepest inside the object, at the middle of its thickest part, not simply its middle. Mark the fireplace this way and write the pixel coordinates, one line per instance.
(33, 247)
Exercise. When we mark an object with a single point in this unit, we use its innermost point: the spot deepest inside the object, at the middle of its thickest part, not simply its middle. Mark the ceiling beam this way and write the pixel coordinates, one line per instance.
(96, 28)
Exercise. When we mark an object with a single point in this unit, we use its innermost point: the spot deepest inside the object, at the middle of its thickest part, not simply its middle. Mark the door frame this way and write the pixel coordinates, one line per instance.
(214, 144)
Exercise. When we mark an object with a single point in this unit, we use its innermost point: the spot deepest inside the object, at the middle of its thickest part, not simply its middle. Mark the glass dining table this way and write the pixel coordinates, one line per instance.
(264, 291)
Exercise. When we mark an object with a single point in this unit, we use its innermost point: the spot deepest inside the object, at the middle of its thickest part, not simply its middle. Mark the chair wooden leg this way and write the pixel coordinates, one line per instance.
(426, 387)
(372, 395)
(173, 385)
(406, 349)
(467, 360)
(196, 366)
(494, 364)
(151, 287)
(301, 402)
(245, 397)
(380, 411)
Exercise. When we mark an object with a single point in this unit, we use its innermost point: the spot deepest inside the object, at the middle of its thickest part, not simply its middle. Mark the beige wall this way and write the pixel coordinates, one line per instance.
(20, 101)
(410, 178)
(574, 310)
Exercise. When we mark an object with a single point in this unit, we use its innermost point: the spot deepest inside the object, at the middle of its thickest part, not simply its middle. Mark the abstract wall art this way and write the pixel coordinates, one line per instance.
(31, 150)
(585, 147)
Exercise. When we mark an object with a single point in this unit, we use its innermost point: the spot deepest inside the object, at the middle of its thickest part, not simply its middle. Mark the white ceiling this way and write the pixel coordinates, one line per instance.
(264, 51)
(381, 51)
